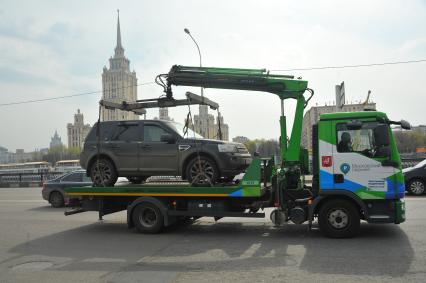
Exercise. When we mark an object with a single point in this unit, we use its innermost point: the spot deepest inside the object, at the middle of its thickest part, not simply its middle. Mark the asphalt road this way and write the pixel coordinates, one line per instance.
(39, 244)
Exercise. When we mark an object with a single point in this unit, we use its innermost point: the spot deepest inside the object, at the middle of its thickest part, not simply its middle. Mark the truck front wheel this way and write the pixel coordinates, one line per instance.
(339, 219)
(148, 218)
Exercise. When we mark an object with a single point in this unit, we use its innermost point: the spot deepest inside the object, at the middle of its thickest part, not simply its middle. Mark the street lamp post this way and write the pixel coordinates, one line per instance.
(198, 48)
(202, 90)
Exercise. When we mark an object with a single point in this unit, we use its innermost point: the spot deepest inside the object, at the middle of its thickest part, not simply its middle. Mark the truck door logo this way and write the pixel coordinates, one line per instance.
(326, 161)
(345, 168)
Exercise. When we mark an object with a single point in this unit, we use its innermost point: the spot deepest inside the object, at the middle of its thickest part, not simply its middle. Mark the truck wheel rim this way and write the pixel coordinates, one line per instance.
(338, 218)
(102, 173)
(148, 217)
(206, 171)
(417, 187)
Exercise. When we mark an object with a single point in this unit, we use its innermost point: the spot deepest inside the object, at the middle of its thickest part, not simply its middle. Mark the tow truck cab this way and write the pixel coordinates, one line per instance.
(355, 157)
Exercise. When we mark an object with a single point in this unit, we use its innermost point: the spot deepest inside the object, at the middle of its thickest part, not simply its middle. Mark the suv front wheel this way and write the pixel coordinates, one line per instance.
(202, 171)
(103, 173)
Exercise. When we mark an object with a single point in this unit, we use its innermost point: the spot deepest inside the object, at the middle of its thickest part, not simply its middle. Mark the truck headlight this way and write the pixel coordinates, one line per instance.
(227, 148)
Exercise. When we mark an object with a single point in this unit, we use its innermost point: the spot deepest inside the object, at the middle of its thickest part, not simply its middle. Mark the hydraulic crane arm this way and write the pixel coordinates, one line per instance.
(139, 106)
(240, 79)
(283, 86)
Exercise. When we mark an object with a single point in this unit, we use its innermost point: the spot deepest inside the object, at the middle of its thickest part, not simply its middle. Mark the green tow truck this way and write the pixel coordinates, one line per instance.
(356, 168)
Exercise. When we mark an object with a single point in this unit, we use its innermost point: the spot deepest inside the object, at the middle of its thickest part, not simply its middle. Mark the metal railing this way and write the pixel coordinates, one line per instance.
(18, 178)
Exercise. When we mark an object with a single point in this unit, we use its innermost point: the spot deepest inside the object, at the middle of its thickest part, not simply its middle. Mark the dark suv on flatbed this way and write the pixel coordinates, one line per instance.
(143, 148)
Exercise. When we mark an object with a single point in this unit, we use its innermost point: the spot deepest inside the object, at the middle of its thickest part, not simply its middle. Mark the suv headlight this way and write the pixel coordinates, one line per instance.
(227, 148)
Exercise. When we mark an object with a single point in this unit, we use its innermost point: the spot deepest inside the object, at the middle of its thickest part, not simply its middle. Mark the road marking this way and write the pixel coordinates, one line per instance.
(21, 200)
(105, 260)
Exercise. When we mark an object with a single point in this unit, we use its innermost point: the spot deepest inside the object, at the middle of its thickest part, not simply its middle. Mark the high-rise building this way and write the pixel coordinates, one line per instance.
(54, 141)
(241, 139)
(118, 83)
(206, 126)
(164, 114)
(78, 131)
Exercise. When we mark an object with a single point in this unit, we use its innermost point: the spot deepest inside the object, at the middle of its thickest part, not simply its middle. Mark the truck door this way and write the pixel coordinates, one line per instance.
(358, 160)
(157, 157)
(124, 146)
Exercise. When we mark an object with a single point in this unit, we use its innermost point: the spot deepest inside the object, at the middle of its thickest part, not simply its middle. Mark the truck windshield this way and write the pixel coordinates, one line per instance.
(178, 127)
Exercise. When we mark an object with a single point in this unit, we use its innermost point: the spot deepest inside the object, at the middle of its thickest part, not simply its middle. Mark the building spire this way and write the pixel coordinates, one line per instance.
(119, 50)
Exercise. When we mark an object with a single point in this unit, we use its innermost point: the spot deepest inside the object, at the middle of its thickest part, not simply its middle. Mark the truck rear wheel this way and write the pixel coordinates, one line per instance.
(339, 219)
(148, 218)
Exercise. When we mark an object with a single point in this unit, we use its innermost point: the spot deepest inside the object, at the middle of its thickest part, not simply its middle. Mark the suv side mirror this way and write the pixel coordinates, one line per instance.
(168, 138)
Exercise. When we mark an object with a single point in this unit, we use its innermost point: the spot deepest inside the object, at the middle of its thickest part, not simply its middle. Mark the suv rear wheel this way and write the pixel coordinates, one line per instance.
(103, 173)
(202, 171)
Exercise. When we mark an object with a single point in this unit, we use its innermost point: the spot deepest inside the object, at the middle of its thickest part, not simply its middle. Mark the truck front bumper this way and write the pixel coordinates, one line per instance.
(386, 211)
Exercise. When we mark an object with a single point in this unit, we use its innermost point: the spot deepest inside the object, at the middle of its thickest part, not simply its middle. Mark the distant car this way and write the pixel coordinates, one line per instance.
(415, 178)
(53, 190)
(140, 149)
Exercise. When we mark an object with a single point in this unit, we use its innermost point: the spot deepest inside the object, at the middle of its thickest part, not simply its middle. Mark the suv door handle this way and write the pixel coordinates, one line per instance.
(113, 146)
(146, 146)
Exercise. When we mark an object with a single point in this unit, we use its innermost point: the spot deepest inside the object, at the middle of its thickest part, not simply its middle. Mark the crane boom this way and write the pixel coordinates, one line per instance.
(284, 86)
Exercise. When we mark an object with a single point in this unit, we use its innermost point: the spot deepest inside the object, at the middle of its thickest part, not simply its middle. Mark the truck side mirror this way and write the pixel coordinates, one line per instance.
(168, 138)
(405, 125)
(354, 125)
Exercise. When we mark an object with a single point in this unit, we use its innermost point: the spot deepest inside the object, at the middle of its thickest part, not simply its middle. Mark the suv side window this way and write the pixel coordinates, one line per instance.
(152, 133)
(126, 133)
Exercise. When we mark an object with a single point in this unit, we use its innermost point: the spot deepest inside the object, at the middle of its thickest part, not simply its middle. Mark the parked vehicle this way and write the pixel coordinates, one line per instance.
(140, 149)
(415, 178)
(53, 191)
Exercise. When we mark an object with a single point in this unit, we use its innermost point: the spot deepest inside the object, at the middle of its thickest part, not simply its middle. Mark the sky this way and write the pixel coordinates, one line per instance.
(59, 48)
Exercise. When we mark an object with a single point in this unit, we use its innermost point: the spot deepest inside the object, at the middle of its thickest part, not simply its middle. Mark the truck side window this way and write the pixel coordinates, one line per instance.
(361, 141)
(126, 133)
(152, 133)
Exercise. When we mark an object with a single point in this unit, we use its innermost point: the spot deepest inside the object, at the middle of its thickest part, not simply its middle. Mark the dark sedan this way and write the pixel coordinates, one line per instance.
(53, 190)
(415, 178)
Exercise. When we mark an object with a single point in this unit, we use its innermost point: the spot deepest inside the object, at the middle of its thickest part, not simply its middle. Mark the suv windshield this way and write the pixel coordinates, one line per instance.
(178, 127)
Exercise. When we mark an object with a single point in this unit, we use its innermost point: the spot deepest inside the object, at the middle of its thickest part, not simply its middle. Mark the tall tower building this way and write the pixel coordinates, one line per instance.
(118, 83)
(55, 140)
(78, 131)
(164, 114)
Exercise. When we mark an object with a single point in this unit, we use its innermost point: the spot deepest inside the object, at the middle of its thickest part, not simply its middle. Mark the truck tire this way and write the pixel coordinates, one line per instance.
(207, 166)
(148, 218)
(416, 187)
(339, 218)
(56, 199)
(103, 173)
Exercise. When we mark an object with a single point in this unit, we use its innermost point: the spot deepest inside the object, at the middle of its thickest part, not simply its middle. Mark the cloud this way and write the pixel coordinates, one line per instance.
(59, 48)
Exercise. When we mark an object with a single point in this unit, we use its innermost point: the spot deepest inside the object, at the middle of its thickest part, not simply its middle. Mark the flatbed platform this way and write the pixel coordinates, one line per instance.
(177, 189)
